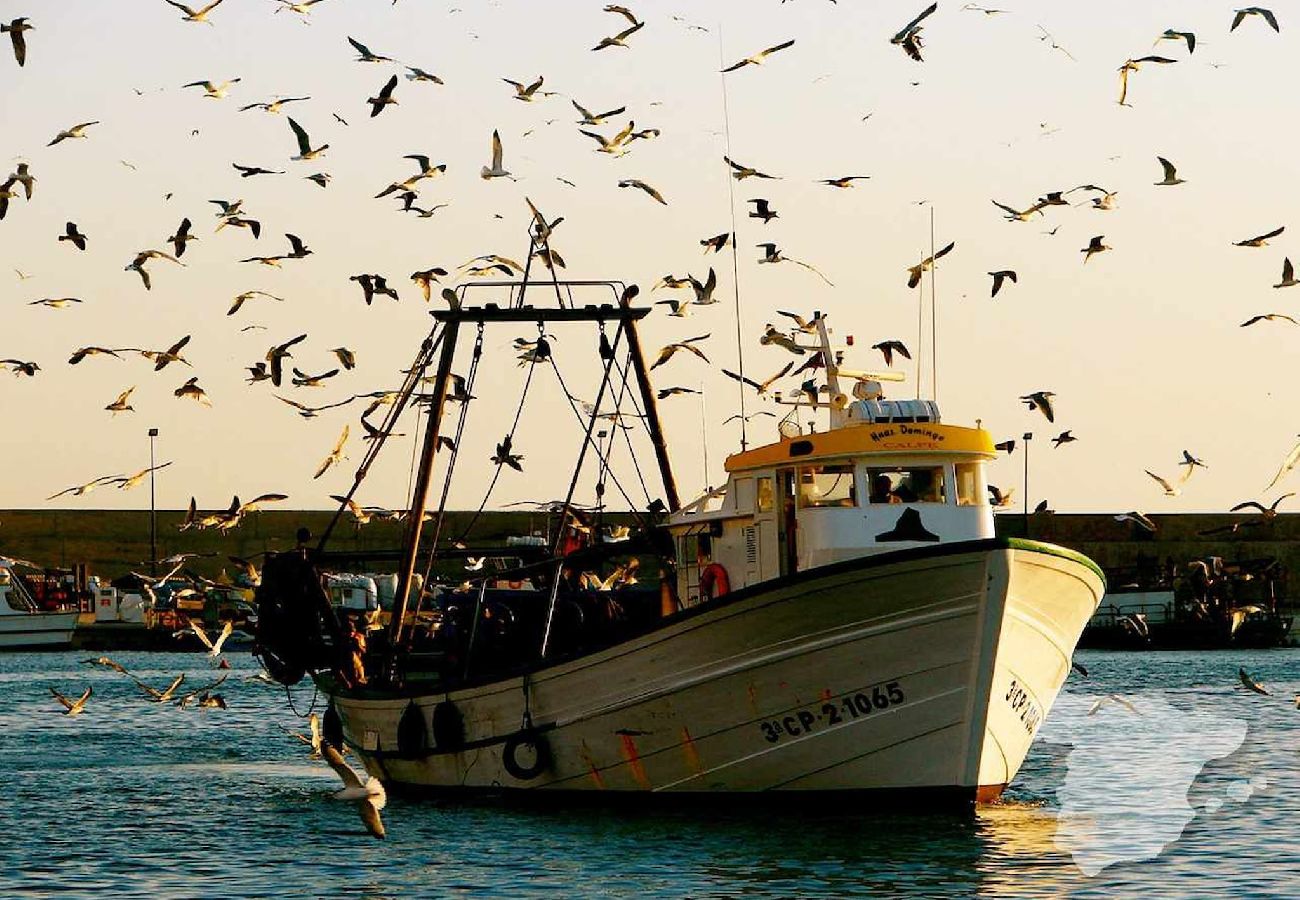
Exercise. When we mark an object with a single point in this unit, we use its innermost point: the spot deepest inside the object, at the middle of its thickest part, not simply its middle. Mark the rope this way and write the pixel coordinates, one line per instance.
(519, 411)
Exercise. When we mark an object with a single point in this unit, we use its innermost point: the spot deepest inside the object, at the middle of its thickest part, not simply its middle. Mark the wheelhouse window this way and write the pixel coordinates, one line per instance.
(917, 484)
(970, 486)
(766, 496)
(828, 485)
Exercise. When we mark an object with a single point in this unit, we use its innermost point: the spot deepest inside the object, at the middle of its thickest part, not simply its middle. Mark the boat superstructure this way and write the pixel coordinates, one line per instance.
(838, 617)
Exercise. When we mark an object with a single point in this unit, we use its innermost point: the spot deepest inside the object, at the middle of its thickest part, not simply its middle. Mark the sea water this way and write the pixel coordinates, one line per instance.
(1185, 789)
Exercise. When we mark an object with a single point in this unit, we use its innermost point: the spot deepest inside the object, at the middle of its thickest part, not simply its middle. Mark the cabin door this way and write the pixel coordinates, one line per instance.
(764, 562)
(787, 523)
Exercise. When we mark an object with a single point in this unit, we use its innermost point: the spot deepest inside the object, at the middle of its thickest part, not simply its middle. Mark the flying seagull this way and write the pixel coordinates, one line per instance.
(619, 39)
(384, 99)
(1170, 490)
(1269, 317)
(1288, 275)
(192, 15)
(76, 131)
(641, 185)
(15, 31)
(1268, 512)
(365, 54)
(496, 170)
(305, 151)
(1041, 401)
(1094, 247)
(1260, 240)
(1000, 276)
(1171, 174)
(73, 707)
(75, 237)
(914, 272)
(368, 795)
(909, 36)
(1266, 14)
(757, 58)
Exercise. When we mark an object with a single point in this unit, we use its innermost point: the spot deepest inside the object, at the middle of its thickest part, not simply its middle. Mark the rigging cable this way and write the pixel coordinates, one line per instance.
(735, 251)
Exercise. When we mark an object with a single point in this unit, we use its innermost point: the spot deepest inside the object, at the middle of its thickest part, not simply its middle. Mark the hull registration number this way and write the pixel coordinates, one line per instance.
(833, 712)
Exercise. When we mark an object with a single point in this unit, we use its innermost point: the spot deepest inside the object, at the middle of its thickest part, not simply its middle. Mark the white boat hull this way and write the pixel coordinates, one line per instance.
(922, 672)
(37, 630)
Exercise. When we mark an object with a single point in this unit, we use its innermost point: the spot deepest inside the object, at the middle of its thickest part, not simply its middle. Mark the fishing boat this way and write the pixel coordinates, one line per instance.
(838, 620)
(23, 624)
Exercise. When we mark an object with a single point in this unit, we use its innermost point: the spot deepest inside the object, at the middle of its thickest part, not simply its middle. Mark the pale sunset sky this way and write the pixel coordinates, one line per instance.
(1141, 345)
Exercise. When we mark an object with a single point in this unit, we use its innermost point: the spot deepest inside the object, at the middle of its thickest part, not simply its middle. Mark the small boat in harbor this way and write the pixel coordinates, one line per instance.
(838, 620)
(23, 624)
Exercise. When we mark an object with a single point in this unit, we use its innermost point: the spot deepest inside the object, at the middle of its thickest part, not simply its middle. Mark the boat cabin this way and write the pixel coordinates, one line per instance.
(889, 477)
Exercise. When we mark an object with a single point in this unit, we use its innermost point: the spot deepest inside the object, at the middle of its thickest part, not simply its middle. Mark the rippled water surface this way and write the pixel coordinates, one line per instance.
(136, 799)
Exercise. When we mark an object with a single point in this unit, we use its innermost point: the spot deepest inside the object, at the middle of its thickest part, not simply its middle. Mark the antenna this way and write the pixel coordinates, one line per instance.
(704, 432)
(920, 336)
(735, 251)
(934, 318)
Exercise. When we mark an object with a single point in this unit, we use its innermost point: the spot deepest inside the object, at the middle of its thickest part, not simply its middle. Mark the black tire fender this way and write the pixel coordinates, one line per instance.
(509, 754)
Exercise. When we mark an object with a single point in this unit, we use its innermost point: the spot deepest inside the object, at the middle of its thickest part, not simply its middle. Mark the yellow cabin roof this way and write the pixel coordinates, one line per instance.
(883, 438)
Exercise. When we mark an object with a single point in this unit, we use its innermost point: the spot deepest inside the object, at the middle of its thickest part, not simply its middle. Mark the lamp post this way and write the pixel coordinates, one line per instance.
(153, 510)
(1027, 437)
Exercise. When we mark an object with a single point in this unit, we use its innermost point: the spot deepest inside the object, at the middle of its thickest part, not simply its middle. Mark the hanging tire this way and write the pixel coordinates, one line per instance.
(531, 739)
(448, 727)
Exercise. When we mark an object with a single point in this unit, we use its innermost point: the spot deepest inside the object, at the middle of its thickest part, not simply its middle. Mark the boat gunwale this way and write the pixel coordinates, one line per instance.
(329, 685)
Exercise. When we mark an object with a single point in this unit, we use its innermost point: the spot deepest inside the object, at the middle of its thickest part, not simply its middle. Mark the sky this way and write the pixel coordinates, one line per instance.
(1141, 345)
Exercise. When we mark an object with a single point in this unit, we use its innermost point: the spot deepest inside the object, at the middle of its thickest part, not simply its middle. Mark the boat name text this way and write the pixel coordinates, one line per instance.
(909, 431)
(835, 711)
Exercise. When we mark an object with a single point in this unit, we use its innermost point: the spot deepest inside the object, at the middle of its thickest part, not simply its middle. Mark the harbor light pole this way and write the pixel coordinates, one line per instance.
(153, 511)
(1027, 437)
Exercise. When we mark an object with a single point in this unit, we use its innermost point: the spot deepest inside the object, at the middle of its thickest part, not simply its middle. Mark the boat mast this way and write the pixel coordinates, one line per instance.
(420, 497)
(648, 403)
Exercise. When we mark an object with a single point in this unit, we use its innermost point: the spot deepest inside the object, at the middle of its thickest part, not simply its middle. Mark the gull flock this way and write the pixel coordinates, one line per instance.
(615, 130)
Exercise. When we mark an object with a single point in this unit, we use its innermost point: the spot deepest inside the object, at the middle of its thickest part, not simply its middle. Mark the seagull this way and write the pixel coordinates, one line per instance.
(127, 482)
(165, 694)
(76, 131)
(1191, 462)
(426, 279)
(274, 106)
(250, 171)
(589, 118)
(1269, 513)
(1000, 497)
(1094, 246)
(889, 348)
(773, 255)
(192, 390)
(773, 335)
(1288, 275)
(807, 326)
(79, 490)
(19, 367)
(1249, 683)
(524, 92)
(106, 663)
(15, 31)
(385, 98)
(276, 355)
(1133, 65)
(1170, 490)
(335, 456)
(1287, 465)
(1020, 215)
(243, 298)
(73, 707)
(302, 379)
(121, 404)
(305, 151)
(925, 265)
(314, 740)
(162, 358)
(214, 647)
(192, 15)
(1269, 317)
(1041, 401)
(762, 210)
(369, 795)
(416, 74)
(71, 234)
(1063, 438)
(909, 36)
(365, 54)
(1260, 240)
(181, 238)
(843, 182)
(1137, 518)
(346, 357)
(757, 58)
(740, 173)
(1266, 14)
(666, 353)
(54, 302)
(1112, 698)
(321, 178)
(622, 11)
(665, 393)
(716, 243)
(1171, 35)
(1171, 174)
(505, 456)
(641, 185)
(619, 39)
(495, 170)
(1000, 276)
(704, 292)
(138, 264)
(211, 90)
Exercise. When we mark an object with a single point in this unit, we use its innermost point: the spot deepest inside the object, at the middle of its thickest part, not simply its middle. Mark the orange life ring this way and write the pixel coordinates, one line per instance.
(714, 582)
